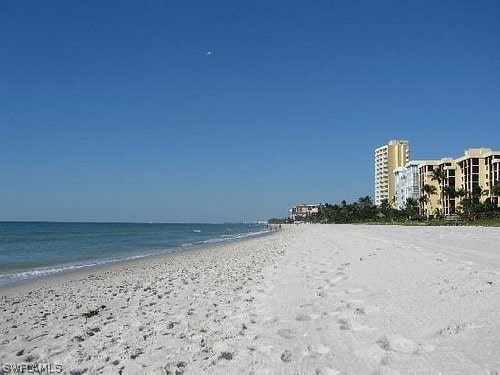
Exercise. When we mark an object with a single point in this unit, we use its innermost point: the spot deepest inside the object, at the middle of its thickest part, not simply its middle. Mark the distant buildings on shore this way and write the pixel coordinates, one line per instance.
(303, 210)
(438, 185)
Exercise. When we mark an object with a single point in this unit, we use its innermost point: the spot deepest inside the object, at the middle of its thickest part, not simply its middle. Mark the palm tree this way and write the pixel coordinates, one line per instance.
(384, 208)
(439, 175)
(460, 193)
(450, 191)
(477, 192)
(450, 195)
(428, 191)
(366, 209)
(471, 206)
(365, 201)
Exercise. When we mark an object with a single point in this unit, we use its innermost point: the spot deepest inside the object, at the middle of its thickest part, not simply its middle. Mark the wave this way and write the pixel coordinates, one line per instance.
(47, 271)
(12, 278)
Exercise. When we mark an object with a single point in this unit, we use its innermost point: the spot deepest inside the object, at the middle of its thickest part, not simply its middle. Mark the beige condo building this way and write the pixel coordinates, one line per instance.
(480, 167)
(473, 175)
(387, 159)
(437, 179)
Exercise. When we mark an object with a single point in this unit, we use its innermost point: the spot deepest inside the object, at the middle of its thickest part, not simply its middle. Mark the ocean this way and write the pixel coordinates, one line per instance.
(34, 249)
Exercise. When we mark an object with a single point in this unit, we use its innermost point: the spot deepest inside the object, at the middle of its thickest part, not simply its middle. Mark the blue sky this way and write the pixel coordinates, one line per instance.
(113, 111)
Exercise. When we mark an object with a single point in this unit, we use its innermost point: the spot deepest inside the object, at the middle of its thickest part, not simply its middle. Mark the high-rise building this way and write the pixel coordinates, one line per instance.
(407, 183)
(387, 159)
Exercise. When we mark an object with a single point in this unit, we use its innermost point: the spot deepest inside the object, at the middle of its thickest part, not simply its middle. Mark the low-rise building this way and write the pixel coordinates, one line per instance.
(480, 172)
(445, 183)
(301, 211)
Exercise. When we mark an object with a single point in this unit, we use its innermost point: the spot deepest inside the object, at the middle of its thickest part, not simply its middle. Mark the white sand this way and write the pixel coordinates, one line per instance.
(309, 299)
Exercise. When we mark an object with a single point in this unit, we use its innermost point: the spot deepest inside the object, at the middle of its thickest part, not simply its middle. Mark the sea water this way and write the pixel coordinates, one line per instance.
(33, 249)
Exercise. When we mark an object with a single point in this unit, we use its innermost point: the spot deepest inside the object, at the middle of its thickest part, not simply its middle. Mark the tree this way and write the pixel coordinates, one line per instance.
(450, 191)
(495, 193)
(429, 190)
(471, 207)
(423, 200)
(496, 188)
(477, 192)
(468, 208)
(411, 207)
(460, 193)
(384, 207)
(365, 208)
(439, 175)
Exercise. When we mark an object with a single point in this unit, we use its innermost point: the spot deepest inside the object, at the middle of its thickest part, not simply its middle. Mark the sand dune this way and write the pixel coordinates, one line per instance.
(308, 299)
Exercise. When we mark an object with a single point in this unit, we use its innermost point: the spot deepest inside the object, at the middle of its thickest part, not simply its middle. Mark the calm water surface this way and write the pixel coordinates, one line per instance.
(31, 249)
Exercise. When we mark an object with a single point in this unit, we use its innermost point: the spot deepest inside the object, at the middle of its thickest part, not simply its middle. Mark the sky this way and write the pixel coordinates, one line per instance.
(216, 111)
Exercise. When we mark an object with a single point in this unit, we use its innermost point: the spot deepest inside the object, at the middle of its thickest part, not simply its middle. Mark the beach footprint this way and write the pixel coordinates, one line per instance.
(318, 349)
(455, 328)
(327, 371)
(401, 344)
(286, 333)
(303, 318)
(346, 324)
(334, 281)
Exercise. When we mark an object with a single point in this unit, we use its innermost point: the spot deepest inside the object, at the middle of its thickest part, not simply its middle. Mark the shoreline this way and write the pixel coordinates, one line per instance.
(111, 319)
(70, 268)
(325, 299)
(119, 263)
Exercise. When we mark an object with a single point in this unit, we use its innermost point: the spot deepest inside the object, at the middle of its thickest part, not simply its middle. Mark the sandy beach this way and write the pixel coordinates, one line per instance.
(308, 299)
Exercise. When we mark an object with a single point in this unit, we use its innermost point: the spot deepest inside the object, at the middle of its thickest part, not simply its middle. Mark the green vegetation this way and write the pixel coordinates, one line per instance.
(280, 221)
(471, 211)
(363, 211)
